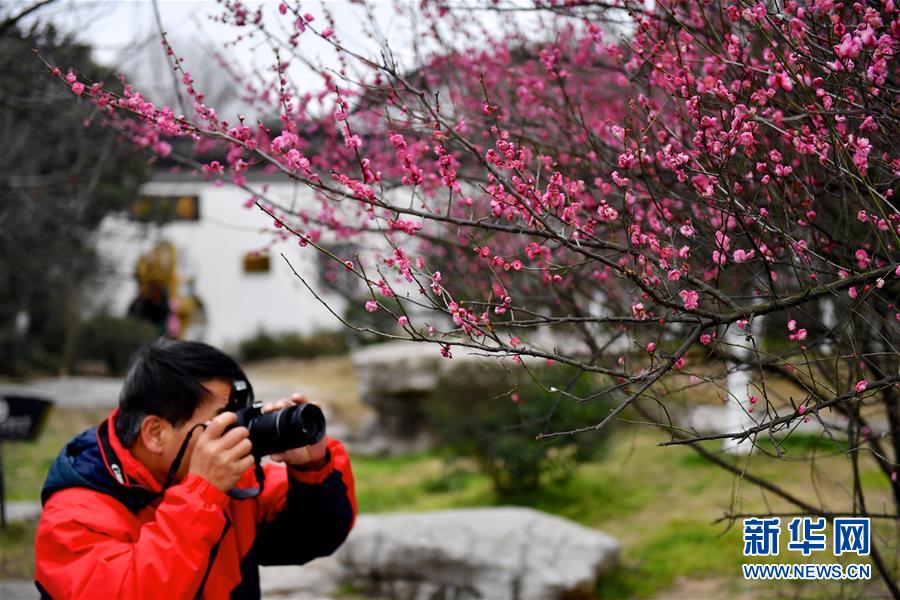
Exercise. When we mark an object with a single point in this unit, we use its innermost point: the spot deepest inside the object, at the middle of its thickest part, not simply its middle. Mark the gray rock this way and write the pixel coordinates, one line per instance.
(503, 552)
(397, 378)
(396, 368)
(319, 579)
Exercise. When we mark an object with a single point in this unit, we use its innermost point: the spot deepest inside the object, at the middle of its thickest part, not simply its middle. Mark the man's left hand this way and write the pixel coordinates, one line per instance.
(307, 458)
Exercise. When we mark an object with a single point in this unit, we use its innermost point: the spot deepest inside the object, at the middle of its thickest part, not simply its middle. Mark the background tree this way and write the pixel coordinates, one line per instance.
(58, 179)
(631, 189)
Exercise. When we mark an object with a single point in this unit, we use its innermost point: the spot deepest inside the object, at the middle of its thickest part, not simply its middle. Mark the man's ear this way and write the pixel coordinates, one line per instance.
(153, 433)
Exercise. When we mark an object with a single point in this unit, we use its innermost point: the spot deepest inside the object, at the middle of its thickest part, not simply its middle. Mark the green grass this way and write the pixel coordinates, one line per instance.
(802, 445)
(26, 463)
(17, 550)
(677, 549)
(417, 483)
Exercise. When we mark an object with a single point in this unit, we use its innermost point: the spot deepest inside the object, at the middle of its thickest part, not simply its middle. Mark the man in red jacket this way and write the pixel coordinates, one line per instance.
(145, 504)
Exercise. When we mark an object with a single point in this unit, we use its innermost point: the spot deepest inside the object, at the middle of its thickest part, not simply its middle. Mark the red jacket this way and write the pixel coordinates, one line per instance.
(109, 537)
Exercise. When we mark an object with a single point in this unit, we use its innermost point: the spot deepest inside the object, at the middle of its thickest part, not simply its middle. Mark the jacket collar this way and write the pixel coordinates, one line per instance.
(133, 471)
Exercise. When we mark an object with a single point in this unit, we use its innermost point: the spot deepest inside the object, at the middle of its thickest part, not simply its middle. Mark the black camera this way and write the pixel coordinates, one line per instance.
(292, 427)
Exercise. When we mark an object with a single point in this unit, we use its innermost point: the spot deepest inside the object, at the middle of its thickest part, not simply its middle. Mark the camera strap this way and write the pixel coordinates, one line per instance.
(176, 464)
(247, 493)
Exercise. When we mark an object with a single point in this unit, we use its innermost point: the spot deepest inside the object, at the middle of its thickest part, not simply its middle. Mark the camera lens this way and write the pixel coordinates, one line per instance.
(291, 427)
(310, 420)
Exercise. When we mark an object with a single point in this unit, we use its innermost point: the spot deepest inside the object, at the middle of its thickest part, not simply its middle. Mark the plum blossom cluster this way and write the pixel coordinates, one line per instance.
(687, 173)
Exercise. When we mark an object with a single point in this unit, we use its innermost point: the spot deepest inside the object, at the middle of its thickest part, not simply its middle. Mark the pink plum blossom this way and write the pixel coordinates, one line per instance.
(690, 299)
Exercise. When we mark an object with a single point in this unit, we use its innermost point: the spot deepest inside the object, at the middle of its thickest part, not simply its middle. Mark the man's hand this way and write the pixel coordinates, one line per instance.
(307, 458)
(222, 459)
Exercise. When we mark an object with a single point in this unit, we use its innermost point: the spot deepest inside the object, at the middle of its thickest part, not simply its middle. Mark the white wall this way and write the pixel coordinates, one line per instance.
(212, 250)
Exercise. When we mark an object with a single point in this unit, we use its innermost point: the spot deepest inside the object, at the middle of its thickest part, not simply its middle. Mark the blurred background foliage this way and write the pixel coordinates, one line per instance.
(111, 340)
(58, 179)
(492, 416)
(267, 345)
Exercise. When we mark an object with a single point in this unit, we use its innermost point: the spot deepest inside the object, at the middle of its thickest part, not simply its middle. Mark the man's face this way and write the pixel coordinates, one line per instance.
(211, 404)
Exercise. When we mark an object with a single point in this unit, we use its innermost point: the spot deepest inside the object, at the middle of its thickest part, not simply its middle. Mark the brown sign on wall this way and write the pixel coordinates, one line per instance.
(162, 209)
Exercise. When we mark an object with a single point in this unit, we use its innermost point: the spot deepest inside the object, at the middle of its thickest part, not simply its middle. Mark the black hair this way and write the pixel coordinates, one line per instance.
(165, 379)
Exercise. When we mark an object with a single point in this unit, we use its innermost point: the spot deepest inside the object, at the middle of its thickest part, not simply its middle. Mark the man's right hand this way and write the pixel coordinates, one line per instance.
(222, 459)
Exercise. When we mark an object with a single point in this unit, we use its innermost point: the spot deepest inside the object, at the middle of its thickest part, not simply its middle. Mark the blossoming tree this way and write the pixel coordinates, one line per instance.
(661, 194)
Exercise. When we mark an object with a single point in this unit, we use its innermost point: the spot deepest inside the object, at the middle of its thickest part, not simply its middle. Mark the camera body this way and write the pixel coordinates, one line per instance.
(292, 427)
